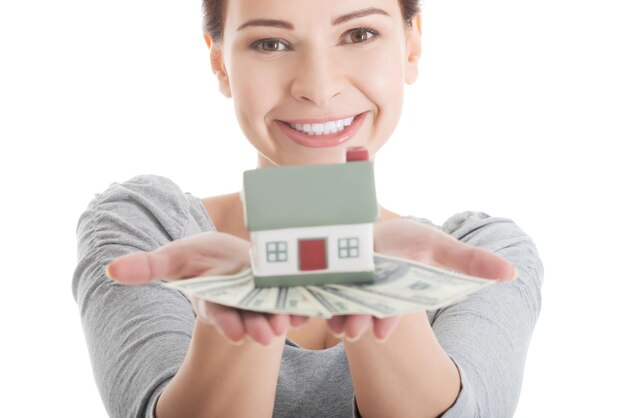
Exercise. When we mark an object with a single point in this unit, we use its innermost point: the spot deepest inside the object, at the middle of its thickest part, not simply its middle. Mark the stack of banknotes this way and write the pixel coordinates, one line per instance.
(400, 286)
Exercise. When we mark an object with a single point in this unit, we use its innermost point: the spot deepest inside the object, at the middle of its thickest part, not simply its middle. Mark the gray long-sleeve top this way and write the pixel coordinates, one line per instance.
(137, 336)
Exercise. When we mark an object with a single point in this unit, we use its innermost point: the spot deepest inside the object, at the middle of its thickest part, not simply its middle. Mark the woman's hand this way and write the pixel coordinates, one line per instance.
(420, 242)
(424, 243)
(209, 253)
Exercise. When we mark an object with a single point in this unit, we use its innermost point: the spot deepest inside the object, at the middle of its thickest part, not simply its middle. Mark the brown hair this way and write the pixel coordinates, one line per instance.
(213, 15)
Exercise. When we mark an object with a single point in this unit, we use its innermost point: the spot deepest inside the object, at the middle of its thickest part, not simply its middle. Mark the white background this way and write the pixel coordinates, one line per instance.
(518, 112)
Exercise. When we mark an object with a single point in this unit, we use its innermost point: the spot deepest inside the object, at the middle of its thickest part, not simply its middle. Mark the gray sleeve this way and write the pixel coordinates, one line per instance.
(137, 336)
(487, 334)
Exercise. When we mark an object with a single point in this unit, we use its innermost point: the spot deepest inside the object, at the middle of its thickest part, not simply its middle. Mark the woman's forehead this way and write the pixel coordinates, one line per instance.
(238, 12)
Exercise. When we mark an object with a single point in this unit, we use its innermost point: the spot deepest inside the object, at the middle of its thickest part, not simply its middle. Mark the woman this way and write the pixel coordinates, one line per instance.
(308, 79)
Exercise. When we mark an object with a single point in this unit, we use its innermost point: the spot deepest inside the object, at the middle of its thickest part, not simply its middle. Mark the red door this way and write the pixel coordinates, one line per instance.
(312, 253)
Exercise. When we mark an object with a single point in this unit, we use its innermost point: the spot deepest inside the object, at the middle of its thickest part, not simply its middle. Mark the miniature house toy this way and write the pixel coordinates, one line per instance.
(312, 224)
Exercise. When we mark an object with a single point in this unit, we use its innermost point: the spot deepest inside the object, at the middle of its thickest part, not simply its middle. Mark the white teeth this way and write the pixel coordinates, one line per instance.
(323, 128)
(318, 128)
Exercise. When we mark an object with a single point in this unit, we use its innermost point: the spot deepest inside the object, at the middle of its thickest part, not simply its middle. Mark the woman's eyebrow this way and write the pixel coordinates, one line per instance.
(286, 25)
(267, 22)
(359, 13)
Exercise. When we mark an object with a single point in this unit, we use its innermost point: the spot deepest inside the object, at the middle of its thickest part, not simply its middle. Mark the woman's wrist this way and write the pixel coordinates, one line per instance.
(215, 371)
(410, 360)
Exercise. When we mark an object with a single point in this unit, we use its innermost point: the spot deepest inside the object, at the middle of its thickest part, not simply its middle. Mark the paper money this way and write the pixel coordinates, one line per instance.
(417, 283)
(400, 286)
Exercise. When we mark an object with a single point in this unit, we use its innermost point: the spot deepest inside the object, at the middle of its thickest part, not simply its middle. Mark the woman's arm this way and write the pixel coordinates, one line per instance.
(232, 376)
(219, 379)
(408, 375)
(412, 374)
(145, 341)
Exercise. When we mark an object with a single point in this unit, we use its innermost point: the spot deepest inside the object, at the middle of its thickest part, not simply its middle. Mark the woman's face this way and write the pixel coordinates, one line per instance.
(311, 78)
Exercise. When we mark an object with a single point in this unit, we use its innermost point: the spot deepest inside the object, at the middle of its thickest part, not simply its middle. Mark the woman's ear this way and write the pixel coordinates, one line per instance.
(418, 23)
(207, 39)
(413, 49)
(217, 65)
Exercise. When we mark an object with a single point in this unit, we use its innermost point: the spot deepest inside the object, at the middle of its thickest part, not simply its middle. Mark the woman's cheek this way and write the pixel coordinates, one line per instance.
(259, 88)
(381, 80)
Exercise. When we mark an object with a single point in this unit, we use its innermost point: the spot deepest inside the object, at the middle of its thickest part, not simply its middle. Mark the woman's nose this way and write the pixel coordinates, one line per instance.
(318, 79)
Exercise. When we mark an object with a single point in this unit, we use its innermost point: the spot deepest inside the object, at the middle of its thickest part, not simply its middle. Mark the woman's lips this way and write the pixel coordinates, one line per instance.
(324, 140)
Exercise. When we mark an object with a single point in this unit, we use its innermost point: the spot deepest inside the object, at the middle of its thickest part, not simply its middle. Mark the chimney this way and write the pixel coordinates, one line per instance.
(357, 154)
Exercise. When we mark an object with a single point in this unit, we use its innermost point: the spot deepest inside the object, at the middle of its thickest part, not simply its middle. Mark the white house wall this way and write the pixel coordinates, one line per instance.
(364, 262)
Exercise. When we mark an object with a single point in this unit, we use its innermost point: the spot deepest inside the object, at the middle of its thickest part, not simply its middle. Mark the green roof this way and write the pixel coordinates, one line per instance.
(309, 195)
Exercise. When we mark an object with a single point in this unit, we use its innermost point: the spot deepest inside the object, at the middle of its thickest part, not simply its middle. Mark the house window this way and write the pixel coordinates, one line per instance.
(348, 247)
(276, 251)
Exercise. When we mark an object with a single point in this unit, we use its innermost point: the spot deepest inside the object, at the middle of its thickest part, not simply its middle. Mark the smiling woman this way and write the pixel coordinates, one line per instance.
(350, 63)
(308, 80)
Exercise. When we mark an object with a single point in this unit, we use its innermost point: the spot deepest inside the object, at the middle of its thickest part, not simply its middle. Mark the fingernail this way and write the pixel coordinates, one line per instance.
(221, 332)
(381, 340)
(230, 340)
(107, 271)
(233, 342)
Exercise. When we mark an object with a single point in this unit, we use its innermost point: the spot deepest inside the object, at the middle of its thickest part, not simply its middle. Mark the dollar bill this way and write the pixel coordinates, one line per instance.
(331, 305)
(238, 291)
(198, 283)
(400, 286)
(417, 283)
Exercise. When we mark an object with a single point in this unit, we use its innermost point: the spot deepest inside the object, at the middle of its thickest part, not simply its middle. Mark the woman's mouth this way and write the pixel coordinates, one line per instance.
(326, 128)
(322, 133)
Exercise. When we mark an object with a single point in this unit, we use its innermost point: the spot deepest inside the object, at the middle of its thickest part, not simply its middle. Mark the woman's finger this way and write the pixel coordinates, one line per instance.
(471, 260)
(356, 325)
(383, 327)
(279, 323)
(207, 253)
(337, 324)
(257, 327)
(228, 321)
(424, 243)
(297, 320)
(138, 268)
(225, 320)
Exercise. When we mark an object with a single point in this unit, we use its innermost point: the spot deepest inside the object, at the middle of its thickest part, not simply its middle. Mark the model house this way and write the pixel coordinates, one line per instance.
(312, 224)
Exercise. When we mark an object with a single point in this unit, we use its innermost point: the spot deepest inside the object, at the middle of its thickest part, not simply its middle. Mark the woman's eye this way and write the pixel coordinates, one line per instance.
(360, 35)
(269, 45)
